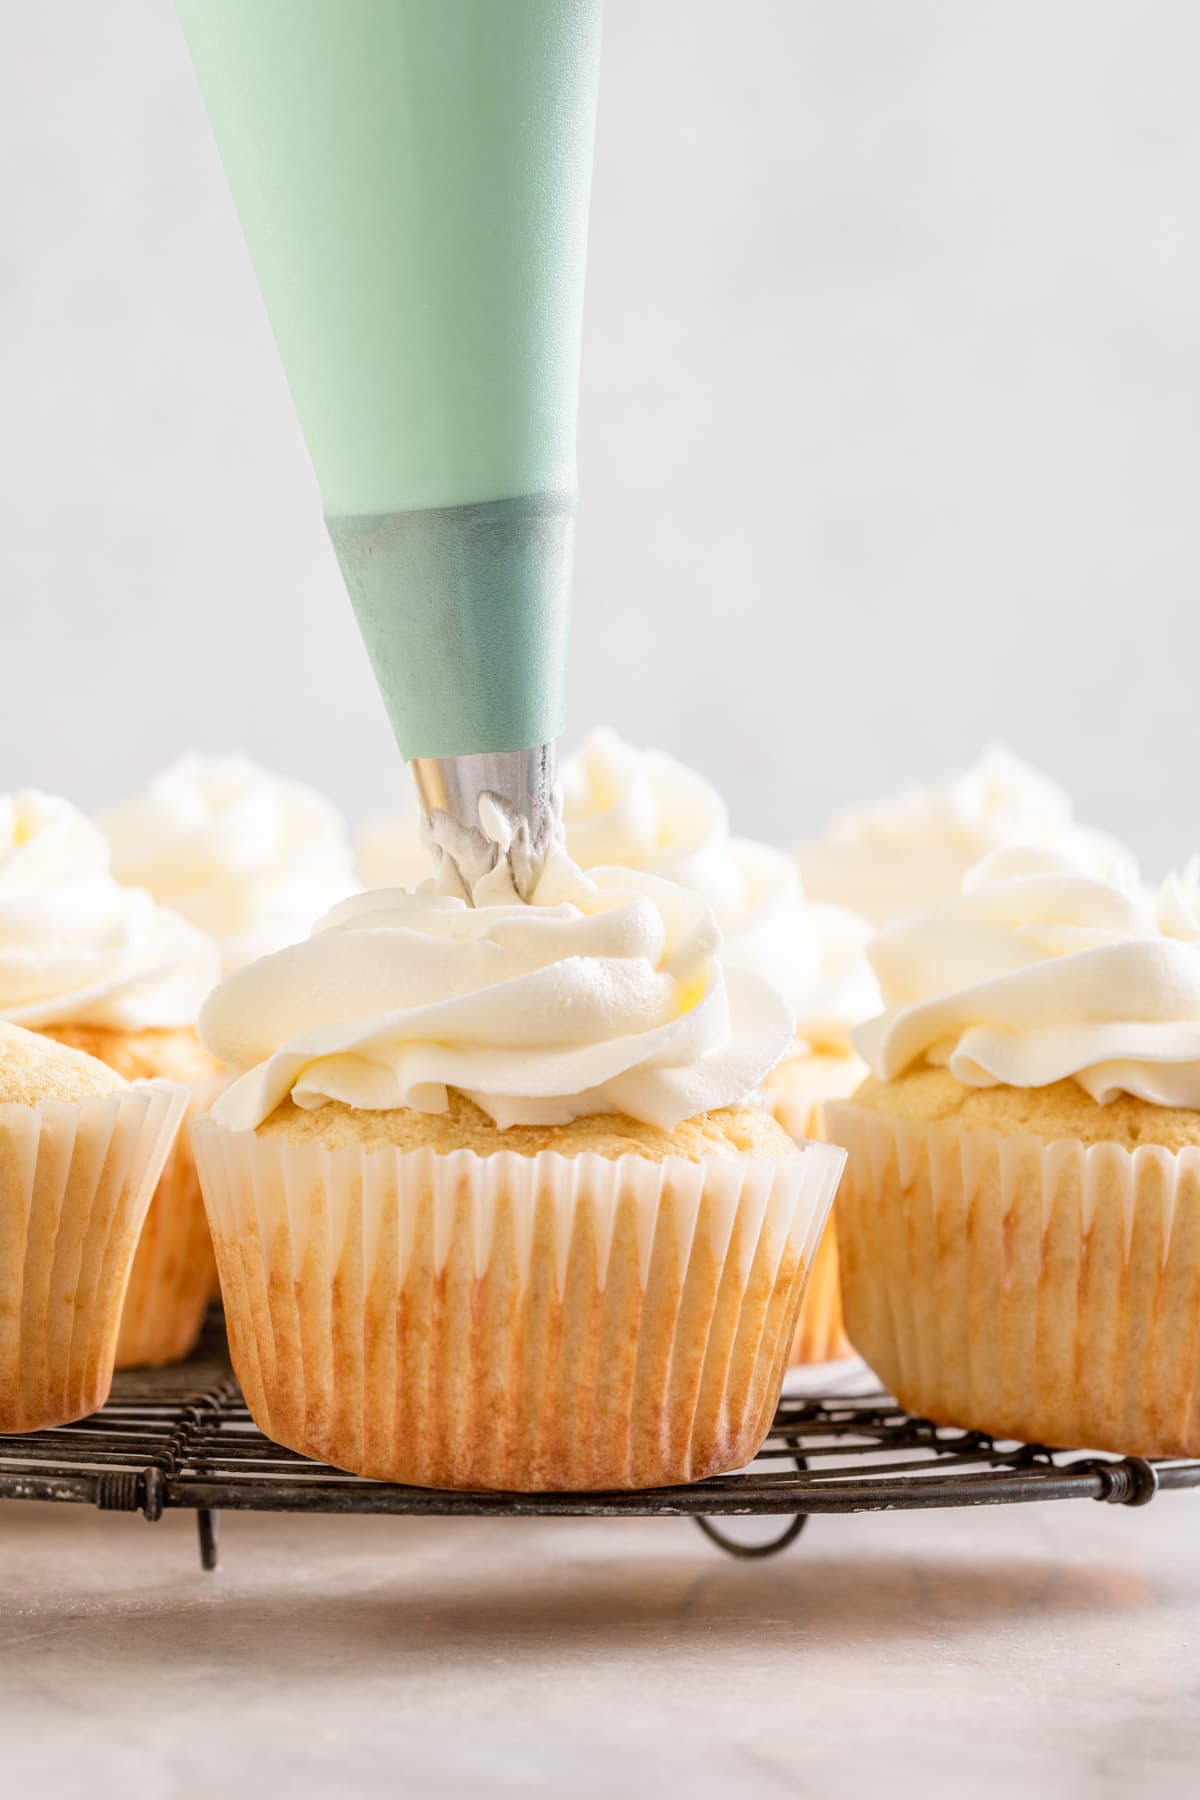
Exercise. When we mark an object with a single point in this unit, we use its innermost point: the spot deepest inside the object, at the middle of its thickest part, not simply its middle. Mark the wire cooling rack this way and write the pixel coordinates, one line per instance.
(182, 1437)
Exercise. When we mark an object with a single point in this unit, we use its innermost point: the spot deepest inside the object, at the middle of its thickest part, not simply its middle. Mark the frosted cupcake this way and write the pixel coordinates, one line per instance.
(912, 850)
(103, 969)
(80, 1153)
(250, 859)
(1020, 1219)
(641, 809)
(490, 1207)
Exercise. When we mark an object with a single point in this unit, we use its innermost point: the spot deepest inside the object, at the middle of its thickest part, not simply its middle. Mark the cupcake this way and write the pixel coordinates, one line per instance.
(641, 809)
(490, 1207)
(104, 970)
(1020, 1221)
(80, 1153)
(912, 850)
(248, 858)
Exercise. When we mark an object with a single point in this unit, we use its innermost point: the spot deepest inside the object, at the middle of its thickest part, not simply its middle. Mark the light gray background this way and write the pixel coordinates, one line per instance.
(888, 435)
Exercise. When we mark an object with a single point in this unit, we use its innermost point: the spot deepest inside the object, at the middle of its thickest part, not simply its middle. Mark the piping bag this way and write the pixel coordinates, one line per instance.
(412, 178)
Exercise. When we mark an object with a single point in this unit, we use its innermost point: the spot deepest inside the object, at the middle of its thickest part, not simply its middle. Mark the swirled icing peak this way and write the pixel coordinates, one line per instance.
(642, 809)
(600, 994)
(1041, 972)
(1179, 903)
(911, 850)
(249, 857)
(75, 946)
(623, 807)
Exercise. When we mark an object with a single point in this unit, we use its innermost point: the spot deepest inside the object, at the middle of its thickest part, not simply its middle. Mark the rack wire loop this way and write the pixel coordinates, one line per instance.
(1133, 1481)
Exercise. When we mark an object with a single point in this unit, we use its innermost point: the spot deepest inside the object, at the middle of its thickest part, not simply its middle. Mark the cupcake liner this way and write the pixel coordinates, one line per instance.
(174, 1270)
(1048, 1292)
(820, 1334)
(799, 1108)
(75, 1183)
(510, 1322)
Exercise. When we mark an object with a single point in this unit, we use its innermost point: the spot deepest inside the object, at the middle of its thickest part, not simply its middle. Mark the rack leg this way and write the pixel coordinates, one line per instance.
(206, 1527)
(790, 1532)
(733, 1547)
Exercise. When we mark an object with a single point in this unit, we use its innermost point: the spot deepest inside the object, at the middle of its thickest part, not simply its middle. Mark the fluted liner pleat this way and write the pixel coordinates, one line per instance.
(75, 1183)
(820, 1334)
(174, 1270)
(511, 1322)
(1048, 1292)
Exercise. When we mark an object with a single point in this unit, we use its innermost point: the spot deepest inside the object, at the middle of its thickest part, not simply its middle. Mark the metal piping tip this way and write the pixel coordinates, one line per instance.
(465, 798)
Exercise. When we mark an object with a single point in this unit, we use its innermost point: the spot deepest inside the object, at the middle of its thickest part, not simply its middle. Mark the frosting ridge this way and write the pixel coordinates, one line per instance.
(603, 993)
(76, 946)
(645, 810)
(642, 809)
(912, 849)
(1040, 972)
(250, 858)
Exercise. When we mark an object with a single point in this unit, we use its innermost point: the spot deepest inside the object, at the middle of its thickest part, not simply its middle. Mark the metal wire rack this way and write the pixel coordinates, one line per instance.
(182, 1437)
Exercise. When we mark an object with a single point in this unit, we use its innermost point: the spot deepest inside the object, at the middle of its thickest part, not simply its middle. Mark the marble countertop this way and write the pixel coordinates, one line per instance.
(1044, 1650)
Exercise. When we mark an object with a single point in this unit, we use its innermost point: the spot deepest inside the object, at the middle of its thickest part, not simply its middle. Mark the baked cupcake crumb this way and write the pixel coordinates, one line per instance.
(1061, 1110)
(171, 1055)
(33, 1068)
(733, 1130)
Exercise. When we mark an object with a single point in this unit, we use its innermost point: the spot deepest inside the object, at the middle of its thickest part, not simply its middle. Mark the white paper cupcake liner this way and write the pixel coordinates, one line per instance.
(174, 1271)
(1048, 1292)
(797, 1096)
(75, 1183)
(546, 1322)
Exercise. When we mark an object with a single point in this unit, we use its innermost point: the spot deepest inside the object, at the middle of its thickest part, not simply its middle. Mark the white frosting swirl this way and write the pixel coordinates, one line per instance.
(249, 857)
(1179, 904)
(77, 948)
(1041, 972)
(644, 810)
(912, 850)
(641, 809)
(602, 994)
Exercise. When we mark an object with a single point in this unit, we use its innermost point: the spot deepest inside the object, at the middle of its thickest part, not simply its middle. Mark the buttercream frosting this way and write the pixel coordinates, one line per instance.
(624, 807)
(1040, 971)
(77, 947)
(643, 809)
(603, 993)
(1179, 903)
(250, 858)
(911, 850)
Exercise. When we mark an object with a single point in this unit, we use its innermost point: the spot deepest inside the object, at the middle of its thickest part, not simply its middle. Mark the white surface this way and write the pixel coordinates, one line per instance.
(1042, 1651)
(889, 434)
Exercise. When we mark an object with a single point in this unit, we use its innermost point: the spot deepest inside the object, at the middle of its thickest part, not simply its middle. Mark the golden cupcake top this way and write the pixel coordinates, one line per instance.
(34, 1069)
(733, 1130)
(142, 1055)
(926, 1096)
